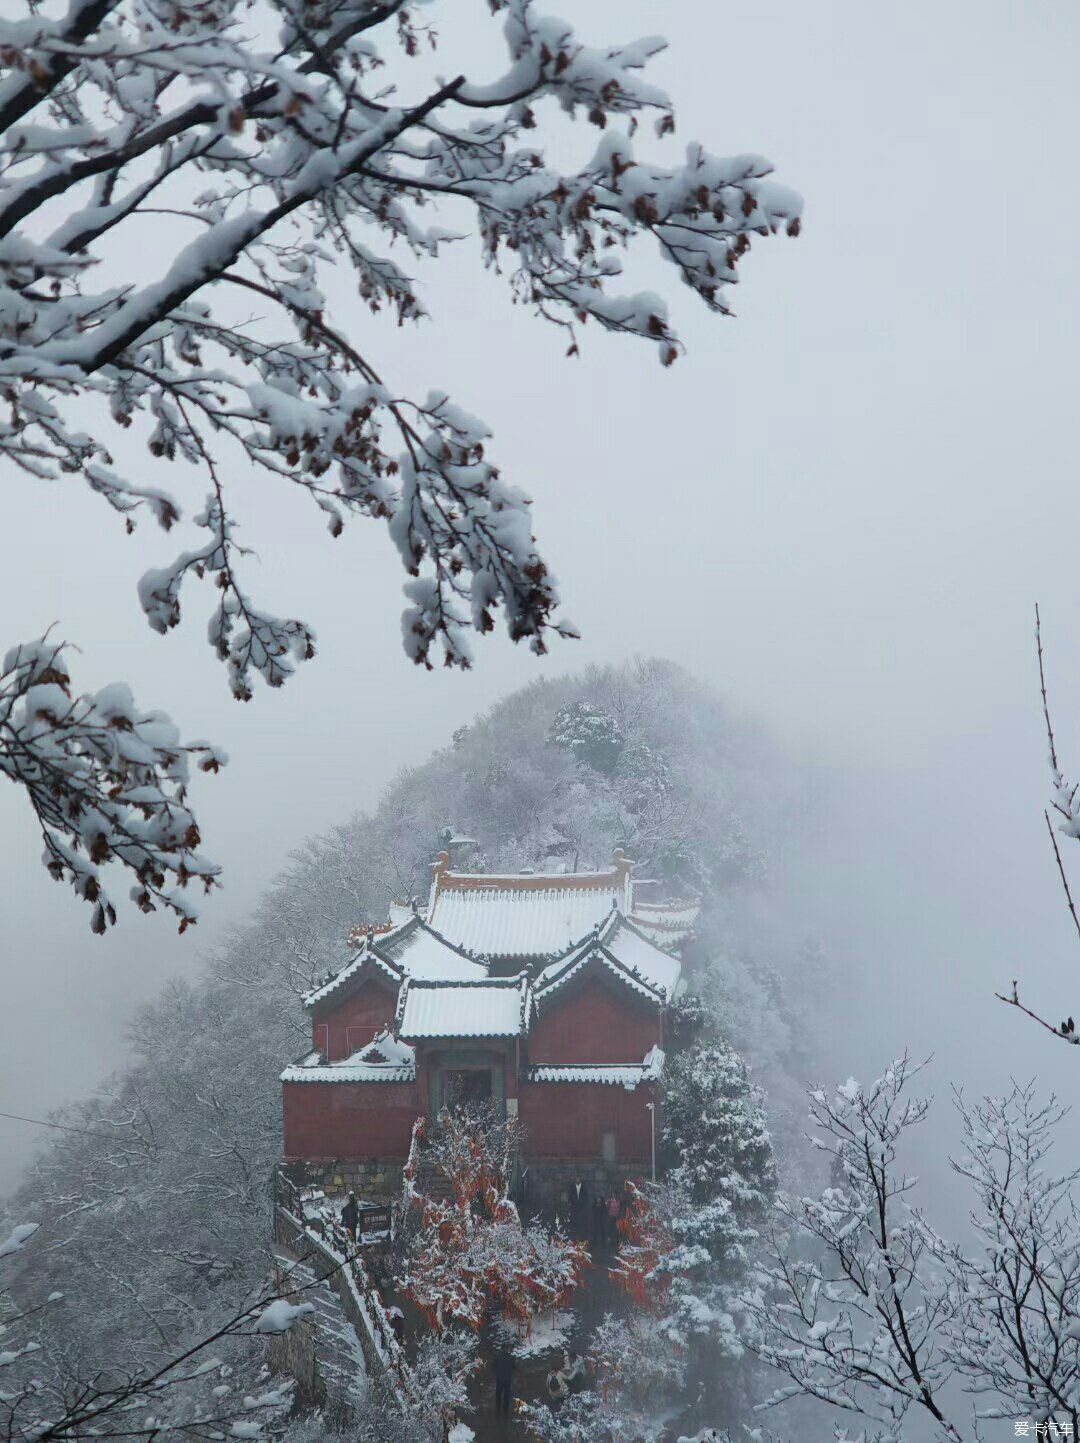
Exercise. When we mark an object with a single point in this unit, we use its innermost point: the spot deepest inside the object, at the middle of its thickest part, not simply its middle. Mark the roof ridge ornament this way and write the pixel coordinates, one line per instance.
(616, 877)
(362, 932)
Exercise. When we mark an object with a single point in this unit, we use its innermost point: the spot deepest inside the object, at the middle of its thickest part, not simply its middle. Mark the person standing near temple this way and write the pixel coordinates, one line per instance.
(599, 1219)
(504, 1366)
(577, 1197)
(613, 1213)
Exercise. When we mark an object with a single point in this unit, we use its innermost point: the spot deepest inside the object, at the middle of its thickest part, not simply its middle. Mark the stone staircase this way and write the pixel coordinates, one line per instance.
(341, 1379)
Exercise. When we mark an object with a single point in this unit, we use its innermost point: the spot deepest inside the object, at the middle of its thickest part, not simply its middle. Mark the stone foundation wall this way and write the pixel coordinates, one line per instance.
(292, 1239)
(293, 1352)
(376, 1181)
(545, 1185)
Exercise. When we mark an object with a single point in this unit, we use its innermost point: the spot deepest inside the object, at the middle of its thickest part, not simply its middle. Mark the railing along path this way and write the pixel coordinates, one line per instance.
(325, 1236)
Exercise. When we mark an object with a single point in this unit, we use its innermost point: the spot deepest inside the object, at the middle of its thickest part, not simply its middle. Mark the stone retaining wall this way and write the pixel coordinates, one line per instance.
(290, 1236)
(544, 1184)
(377, 1181)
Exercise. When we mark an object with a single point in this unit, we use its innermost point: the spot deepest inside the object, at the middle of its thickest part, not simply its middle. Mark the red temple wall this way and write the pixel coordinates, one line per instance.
(563, 1122)
(566, 1121)
(343, 1029)
(324, 1121)
(594, 1024)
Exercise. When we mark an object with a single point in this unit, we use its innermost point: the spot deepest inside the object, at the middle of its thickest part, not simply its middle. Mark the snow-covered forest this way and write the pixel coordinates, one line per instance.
(171, 1221)
(153, 1211)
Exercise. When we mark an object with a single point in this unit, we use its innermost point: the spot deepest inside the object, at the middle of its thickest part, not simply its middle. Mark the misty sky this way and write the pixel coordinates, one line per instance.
(838, 508)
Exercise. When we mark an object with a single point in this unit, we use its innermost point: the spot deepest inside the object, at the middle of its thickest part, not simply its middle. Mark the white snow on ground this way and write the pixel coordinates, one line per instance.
(543, 1336)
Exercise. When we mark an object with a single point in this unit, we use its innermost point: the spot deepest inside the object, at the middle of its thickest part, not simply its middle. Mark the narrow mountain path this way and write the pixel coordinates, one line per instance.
(596, 1296)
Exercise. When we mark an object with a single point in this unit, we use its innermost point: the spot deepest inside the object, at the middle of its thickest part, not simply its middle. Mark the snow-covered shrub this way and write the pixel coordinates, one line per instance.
(471, 1255)
(640, 1369)
(640, 1382)
(443, 1364)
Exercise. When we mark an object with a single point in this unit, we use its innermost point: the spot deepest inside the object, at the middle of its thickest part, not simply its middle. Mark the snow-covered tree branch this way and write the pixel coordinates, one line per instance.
(857, 1324)
(107, 783)
(180, 1396)
(280, 145)
(470, 1255)
(1014, 1330)
(1062, 816)
(869, 1310)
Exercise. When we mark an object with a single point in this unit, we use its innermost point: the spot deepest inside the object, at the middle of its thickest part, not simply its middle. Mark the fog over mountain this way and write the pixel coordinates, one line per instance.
(803, 560)
(878, 451)
(557, 774)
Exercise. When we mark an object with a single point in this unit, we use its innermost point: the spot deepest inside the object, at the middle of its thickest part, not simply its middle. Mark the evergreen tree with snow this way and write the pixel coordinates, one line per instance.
(720, 1187)
(688, 1242)
(589, 733)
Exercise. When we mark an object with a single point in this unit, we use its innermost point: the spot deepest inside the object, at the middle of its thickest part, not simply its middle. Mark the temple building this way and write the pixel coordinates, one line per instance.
(547, 994)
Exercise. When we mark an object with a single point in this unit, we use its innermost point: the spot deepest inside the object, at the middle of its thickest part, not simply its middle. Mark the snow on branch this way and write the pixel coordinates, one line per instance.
(1066, 804)
(470, 1251)
(294, 138)
(171, 1398)
(866, 1308)
(107, 783)
(276, 158)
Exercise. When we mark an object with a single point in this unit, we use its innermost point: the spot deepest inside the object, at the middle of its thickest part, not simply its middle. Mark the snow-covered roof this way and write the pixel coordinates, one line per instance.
(474, 920)
(410, 950)
(496, 1007)
(626, 954)
(523, 914)
(399, 914)
(512, 922)
(556, 976)
(483, 917)
(618, 1074)
(367, 956)
(637, 952)
(384, 1059)
(419, 951)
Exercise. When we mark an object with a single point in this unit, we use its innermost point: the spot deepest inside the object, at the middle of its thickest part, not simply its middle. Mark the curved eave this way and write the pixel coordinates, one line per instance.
(418, 924)
(598, 953)
(365, 1073)
(586, 1075)
(367, 954)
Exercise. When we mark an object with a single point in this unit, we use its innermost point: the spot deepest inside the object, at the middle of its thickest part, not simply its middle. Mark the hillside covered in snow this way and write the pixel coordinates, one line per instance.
(162, 1227)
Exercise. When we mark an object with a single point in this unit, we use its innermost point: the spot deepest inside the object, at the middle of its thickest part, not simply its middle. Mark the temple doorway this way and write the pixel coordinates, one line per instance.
(467, 1086)
(464, 1077)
